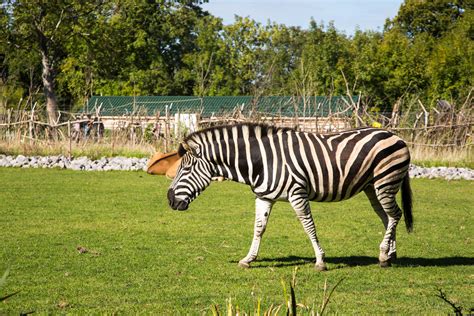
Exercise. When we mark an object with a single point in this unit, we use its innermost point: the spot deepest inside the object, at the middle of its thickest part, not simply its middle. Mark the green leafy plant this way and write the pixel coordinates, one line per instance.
(290, 303)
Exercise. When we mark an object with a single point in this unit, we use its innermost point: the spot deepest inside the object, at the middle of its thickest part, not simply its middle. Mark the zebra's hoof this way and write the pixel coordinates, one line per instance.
(320, 267)
(244, 265)
(385, 264)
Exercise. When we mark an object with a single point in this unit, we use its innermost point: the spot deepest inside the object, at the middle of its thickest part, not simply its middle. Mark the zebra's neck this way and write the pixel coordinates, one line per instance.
(233, 150)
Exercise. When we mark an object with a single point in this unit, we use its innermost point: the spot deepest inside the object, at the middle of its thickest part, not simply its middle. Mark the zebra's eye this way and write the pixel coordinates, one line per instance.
(186, 168)
(187, 163)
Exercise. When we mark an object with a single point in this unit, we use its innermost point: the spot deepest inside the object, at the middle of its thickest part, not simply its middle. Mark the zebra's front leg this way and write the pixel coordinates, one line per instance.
(303, 212)
(262, 213)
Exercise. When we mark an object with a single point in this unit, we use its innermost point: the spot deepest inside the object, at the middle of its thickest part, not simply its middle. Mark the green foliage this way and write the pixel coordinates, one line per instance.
(324, 59)
(107, 242)
(10, 96)
(433, 17)
(437, 52)
(450, 65)
(290, 303)
(130, 47)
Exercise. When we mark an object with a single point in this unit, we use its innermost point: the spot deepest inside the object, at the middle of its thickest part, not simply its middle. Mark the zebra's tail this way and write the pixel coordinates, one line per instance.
(407, 203)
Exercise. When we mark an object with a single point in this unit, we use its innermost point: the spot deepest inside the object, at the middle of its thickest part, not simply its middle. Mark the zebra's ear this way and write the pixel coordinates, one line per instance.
(182, 149)
(189, 146)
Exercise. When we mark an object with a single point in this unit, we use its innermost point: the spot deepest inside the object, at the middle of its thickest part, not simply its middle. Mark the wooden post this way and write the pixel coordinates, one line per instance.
(9, 117)
(167, 128)
(157, 128)
(113, 137)
(198, 122)
(356, 112)
(69, 138)
(426, 114)
(177, 126)
(281, 118)
(31, 123)
(394, 120)
(30, 129)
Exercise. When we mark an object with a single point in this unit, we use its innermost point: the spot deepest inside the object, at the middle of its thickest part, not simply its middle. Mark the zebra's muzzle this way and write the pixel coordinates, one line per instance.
(176, 204)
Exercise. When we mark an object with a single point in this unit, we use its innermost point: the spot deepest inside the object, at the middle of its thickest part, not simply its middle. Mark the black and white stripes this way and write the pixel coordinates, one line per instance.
(283, 164)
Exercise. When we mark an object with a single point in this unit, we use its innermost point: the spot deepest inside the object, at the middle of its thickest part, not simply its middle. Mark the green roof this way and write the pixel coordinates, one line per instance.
(216, 106)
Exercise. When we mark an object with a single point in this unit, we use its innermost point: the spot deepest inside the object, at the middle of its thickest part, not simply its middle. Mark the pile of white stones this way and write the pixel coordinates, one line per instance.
(80, 163)
(124, 163)
(448, 173)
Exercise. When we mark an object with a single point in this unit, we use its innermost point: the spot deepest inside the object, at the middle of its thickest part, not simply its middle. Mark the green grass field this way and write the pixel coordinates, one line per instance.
(140, 256)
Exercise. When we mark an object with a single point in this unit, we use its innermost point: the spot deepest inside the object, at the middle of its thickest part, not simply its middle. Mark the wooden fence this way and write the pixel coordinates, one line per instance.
(440, 127)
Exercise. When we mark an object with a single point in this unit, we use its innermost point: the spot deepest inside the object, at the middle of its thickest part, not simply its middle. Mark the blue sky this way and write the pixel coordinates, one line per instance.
(346, 14)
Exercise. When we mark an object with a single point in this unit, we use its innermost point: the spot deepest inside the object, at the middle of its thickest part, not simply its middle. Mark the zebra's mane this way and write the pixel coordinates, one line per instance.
(264, 130)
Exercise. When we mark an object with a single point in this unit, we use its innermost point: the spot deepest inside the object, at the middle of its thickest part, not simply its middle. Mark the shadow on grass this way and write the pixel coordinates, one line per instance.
(352, 261)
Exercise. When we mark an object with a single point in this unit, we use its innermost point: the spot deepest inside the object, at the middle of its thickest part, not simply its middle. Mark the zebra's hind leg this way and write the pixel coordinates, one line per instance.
(384, 203)
(263, 209)
(303, 212)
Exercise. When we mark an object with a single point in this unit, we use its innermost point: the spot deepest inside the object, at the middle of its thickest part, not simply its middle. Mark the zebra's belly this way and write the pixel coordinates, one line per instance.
(333, 197)
(310, 194)
(339, 193)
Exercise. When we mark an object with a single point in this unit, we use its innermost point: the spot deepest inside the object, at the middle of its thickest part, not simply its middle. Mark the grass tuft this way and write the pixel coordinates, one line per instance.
(290, 302)
(443, 157)
(91, 150)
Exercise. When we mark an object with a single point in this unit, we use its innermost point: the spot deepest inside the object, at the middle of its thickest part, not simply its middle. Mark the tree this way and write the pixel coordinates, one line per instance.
(83, 46)
(368, 69)
(45, 27)
(4, 34)
(429, 46)
(326, 57)
(450, 66)
(244, 42)
(72, 49)
(204, 63)
(150, 40)
(281, 58)
(433, 17)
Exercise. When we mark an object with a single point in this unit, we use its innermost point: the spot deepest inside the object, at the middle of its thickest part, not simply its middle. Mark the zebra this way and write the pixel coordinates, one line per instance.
(298, 167)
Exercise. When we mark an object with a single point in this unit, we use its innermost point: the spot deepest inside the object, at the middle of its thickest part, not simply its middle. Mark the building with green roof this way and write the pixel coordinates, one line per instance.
(218, 106)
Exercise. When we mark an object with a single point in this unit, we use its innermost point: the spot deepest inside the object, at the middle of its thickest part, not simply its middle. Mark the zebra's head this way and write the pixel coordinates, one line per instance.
(192, 177)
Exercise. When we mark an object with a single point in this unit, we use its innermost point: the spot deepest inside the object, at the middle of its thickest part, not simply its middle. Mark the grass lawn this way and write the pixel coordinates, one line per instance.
(80, 242)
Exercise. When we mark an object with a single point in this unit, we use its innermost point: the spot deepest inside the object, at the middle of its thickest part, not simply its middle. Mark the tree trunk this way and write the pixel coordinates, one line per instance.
(48, 87)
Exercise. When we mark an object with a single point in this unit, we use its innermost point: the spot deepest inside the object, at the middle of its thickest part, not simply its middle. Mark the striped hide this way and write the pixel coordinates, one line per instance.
(284, 164)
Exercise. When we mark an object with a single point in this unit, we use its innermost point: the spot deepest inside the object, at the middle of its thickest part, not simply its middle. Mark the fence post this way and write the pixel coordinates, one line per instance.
(167, 128)
(113, 138)
(30, 128)
(69, 138)
(9, 118)
(426, 114)
(198, 122)
(177, 127)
